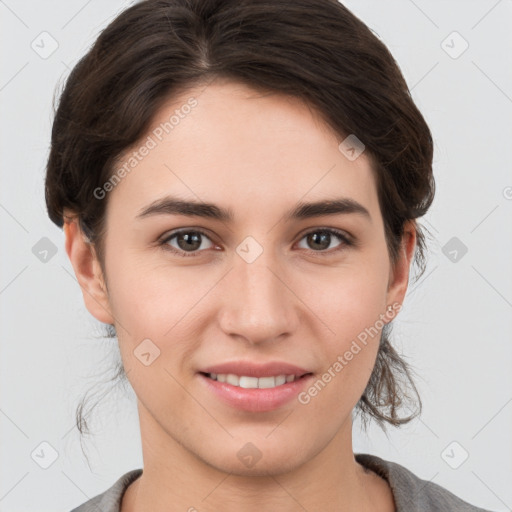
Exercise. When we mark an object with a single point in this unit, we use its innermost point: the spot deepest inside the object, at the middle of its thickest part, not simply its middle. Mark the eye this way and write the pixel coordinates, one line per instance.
(321, 238)
(187, 240)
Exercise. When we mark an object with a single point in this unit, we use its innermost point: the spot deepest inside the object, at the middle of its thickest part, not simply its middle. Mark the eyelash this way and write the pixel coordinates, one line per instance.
(339, 234)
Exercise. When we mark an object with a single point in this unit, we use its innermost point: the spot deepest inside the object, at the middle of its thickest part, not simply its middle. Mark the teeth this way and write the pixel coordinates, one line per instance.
(262, 382)
(252, 382)
(281, 379)
(232, 379)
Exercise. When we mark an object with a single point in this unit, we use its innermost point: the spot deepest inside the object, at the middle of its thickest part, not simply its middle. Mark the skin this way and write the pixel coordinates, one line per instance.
(296, 302)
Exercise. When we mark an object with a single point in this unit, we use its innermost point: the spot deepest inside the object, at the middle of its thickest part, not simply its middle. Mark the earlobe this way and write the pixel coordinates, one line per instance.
(87, 271)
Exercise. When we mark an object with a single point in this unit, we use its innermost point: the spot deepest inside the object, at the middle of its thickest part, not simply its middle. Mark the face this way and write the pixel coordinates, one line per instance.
(188, 292)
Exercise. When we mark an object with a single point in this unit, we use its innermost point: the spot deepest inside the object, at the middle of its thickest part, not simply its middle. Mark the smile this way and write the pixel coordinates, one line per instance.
(244, 381)
(254, 394)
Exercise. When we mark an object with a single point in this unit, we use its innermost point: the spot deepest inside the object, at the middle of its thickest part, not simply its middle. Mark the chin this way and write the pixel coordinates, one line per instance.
(255, 459)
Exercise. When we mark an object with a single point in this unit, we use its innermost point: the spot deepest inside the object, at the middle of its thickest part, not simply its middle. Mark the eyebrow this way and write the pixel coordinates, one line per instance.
(170, 205)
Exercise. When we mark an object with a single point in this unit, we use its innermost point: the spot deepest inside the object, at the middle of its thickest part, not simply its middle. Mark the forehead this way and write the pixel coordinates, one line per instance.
(226, 141)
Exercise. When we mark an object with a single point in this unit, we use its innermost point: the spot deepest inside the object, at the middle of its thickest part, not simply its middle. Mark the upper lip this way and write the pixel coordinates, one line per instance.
(256, 370)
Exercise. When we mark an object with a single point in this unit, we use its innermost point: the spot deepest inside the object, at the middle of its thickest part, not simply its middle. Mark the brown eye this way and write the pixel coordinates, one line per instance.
(320, 240)
(189, 241)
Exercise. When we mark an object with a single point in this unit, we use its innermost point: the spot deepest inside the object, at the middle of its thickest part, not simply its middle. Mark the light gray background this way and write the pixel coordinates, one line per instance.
(455, 328)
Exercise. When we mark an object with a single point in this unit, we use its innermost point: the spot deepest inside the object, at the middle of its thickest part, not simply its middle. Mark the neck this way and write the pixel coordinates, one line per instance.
(176, 479)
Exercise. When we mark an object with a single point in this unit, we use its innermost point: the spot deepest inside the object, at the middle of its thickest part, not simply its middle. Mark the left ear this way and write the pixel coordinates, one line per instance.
(399, 273)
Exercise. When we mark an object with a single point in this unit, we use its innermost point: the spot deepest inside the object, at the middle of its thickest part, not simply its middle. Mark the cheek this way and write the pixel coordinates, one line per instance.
(156, 303)
(350, 303)
(152, 307)
(350, 299)
(148, 296)
(351, 307)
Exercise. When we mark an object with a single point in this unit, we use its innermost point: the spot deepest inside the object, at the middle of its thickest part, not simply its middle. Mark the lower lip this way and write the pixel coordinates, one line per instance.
(256, 400)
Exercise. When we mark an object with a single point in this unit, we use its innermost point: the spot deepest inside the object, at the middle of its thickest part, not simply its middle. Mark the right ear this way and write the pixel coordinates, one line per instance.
(88, 271)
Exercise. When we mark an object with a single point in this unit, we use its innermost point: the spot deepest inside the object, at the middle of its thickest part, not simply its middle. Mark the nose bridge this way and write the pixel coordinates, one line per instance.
(254, 257)
(257, 279)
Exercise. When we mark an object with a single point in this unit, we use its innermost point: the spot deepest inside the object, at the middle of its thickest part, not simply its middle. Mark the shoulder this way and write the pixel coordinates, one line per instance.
(110, 500)
(411, 493)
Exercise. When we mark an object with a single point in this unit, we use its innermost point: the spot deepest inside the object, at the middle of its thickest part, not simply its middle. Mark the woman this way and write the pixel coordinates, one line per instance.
(201, 150)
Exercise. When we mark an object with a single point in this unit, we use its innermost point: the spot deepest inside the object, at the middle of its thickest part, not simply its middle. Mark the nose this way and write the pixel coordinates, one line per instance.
(257, 304)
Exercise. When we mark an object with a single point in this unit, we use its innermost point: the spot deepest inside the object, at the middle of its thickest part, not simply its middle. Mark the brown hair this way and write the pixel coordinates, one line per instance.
(316, 50)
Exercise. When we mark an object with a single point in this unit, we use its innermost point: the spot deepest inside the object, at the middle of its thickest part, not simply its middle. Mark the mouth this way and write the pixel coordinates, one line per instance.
(254, 394)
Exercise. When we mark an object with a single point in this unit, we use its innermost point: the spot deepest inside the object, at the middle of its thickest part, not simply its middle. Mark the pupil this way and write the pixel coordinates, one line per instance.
(324, 236)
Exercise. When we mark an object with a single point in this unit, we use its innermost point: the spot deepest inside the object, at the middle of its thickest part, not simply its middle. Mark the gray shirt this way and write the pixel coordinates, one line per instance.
(411, 493)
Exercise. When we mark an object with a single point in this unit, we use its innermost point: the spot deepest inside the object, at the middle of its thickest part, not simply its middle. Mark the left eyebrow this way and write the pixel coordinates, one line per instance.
(343, 205)
(174, 206)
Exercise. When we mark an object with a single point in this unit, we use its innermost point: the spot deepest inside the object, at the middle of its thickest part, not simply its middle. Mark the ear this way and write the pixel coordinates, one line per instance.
(399, 273)
(87, 270)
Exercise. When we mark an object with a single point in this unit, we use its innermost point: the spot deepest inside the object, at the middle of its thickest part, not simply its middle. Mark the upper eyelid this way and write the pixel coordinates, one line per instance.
(170, 234)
